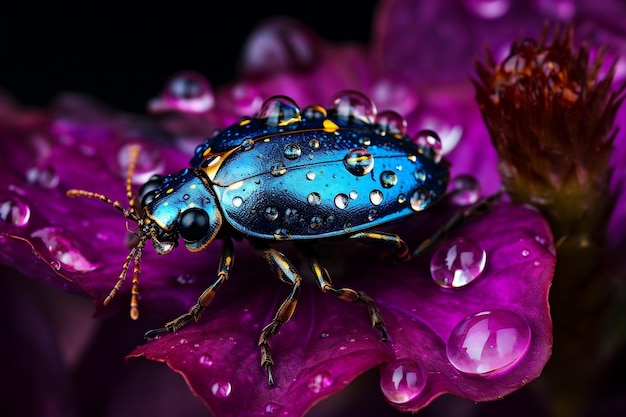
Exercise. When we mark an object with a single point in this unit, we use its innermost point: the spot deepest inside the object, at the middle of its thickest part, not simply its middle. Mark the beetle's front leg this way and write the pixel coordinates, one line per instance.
(223, 272)
(287, 274)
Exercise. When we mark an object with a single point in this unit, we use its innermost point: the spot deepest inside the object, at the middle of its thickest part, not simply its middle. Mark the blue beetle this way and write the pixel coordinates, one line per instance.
(301, 175)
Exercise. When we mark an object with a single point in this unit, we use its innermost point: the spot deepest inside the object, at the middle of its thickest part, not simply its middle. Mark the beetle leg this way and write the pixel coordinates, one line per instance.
(287, 274)
(400, 249)
(348, 294)
(226, 262)
(455, 221)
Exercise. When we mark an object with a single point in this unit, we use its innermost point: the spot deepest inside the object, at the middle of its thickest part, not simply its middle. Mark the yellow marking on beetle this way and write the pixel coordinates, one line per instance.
(412, 158)
(191, 205)
(266, 140)
(193, 186)
(169, 191)
(244, 121)
(215, 164)
(329, 125)
(206, 152)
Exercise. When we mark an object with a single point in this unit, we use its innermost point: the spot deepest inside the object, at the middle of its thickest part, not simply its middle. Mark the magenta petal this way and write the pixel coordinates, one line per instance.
(326, 345)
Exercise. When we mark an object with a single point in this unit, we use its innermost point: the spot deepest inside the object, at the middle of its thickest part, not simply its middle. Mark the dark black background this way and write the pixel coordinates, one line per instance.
(123, 53)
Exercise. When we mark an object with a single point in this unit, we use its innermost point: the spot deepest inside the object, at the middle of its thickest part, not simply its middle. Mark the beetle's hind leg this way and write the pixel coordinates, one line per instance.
(223, 272)
(323, 280)
(398, 249)
(287, 274)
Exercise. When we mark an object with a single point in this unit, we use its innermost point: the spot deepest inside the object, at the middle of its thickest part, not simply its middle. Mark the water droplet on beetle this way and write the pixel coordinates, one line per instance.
(15, 212)
(376, 197)
(271, 213)
(388, 179)
(237, 201)
(221, 389)
(316, 222)
(457, 262)
(320, 381)
(279, 111)
(63, 249)
(247, 144)
(278, 169)
(354, 105)
(282, 234)
(292, 151)
(372, 215)
(465, 190)
(44, 176)
(420, 199)
(314, 143)
(314, 199)
(365, 141)
(429, 144)
(341, 201)
(354, 195)
(488, 341)
(419, 175)
(390, 123)
(310, 175)
(359, 161)
(402, 380)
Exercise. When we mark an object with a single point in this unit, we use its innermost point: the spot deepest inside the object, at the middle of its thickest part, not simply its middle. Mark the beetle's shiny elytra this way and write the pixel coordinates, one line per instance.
(288, 174)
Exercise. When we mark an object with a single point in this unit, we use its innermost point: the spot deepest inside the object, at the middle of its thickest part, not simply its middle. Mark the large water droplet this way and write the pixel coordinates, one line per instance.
(359, 161)
(221, 389)
(277, 169)
(402, 380)
(488, 341)
(354, 105)
(15, 212)
(465, 190)
(488, 9)
(187, 91)
(457, 263)
(44, 176)
(429, 144)
(63, 249)
(279, 111)
(376, 197)
(320, 382)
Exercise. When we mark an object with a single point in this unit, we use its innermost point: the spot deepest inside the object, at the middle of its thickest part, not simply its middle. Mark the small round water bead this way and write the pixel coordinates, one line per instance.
(457, 262)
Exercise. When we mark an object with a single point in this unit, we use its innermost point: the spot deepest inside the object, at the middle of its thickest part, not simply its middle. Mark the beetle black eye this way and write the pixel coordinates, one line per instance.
(193, 224)
(147, 191)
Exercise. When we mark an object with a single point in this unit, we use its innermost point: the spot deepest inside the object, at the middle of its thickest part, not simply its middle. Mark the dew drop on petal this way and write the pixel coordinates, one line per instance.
(273, 408)
(15, 212)
(465, 190)
(402, 380)
(64, 251)
(559, 9)
(44, 176)
(525, 252)
(221, 389)
(488, 9)
(488, 341)
(187, 91)
(205, 360)
(457, 262)
(359, 161)
(320, 382)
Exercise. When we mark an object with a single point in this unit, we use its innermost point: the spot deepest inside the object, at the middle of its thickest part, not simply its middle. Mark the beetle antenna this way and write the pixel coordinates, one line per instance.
(131, 212)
